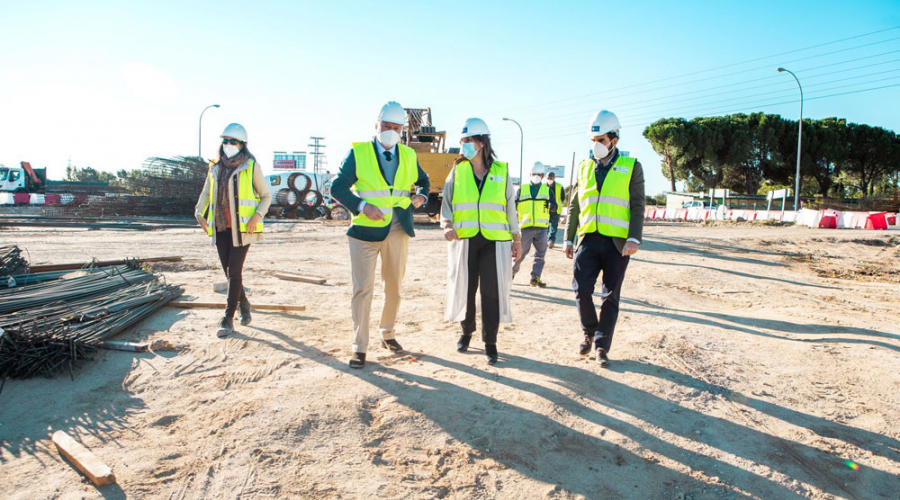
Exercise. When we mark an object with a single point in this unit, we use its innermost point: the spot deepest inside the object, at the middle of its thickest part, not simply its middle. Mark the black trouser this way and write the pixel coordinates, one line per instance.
(232, 259)
(482, 264)
(595, 254)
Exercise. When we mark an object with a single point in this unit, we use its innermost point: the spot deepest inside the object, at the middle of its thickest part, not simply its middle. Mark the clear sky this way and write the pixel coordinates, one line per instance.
(110, 83)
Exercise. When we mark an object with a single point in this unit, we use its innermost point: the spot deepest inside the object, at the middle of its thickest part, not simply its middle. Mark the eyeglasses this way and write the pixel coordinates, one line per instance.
(233, 142)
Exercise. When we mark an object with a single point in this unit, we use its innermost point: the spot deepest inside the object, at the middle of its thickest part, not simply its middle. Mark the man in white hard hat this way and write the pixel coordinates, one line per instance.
(382, 173)
(606, 216)
(533, 204)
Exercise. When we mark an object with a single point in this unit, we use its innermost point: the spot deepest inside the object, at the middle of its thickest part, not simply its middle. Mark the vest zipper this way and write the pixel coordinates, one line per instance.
(237, 214)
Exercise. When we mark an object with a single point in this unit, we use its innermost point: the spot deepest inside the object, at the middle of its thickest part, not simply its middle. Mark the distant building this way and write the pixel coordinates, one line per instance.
(292, 161)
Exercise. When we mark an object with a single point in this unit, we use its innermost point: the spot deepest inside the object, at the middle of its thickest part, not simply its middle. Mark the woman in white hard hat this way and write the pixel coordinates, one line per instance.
(234, 200)
(481, 225)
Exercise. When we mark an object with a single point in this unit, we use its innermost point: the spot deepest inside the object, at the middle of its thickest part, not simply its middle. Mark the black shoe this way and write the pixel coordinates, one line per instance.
(585, 346)
(391, 344)
(536, 281)
(358, 360)
(244, 307)
(602, 360)
(226, 327)
(490, 353)
(462, 345)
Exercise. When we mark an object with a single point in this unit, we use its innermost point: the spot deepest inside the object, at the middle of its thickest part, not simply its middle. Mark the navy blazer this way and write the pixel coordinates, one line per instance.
(346, 178)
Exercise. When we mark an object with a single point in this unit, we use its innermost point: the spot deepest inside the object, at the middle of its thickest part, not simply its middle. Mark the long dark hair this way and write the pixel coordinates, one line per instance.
(487, 152)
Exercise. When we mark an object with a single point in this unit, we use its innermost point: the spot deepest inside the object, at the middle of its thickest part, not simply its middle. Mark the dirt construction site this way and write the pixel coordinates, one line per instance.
(749, 362)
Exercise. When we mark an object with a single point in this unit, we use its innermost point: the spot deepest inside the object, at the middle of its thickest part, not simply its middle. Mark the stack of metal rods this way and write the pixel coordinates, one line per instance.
(11, 261)
(53, 325)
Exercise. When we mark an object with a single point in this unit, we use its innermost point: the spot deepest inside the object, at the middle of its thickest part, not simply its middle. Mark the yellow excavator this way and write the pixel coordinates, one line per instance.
(435, 158)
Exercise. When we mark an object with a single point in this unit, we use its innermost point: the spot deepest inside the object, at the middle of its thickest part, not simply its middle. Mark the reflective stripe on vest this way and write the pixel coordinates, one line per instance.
(484, 211)
(247, 200)
(608, 210)
(534, 212)
(558, 194)
(373, 188)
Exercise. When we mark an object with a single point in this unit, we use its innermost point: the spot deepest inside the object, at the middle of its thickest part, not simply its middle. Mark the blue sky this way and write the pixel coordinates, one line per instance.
(108, 84)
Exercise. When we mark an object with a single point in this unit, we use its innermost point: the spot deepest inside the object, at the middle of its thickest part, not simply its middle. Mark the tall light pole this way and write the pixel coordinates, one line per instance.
(200, 131)
(799, 140)
(521, 145)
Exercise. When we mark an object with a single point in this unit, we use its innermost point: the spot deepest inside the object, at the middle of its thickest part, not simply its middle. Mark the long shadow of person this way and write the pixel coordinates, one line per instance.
(533, 444)
(878, 444)
(795, 460)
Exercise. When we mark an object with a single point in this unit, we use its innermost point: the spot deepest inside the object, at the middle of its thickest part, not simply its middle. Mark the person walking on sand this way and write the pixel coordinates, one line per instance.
(381, 173)
(230, 210)
(534, 202)
(559, 197)
(606, 215)
(479, 218)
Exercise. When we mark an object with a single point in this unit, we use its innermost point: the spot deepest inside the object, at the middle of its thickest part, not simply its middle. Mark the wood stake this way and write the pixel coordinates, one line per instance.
(295, 277)
(98, 472)
(184, 304)
(124, 346)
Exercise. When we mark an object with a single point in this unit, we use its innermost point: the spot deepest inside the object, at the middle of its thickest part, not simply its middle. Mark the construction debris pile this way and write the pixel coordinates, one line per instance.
(50, 321)
(301, 200)
(11, 262)
(161, 187)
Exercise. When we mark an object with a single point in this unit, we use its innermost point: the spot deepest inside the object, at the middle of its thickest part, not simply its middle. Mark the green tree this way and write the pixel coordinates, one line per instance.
(668, 138)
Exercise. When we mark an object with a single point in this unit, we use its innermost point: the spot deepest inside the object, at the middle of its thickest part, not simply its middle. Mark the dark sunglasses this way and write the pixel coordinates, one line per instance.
(233, 142)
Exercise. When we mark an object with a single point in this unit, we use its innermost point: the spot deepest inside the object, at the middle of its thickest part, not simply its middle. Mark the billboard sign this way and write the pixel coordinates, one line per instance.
(285, 165)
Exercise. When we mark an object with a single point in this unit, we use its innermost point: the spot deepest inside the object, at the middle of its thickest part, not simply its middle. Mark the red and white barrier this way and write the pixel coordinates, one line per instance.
(828, 219)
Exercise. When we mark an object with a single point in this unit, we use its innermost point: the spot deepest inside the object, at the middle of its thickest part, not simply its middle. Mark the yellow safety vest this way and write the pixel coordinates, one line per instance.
(558, 194)
(483, 211)
(246, 201)
(373, 188)
(534, 212)
(606, 210)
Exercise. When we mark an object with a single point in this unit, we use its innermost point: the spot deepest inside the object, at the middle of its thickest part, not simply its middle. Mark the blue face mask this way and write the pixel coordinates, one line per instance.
(468, 150)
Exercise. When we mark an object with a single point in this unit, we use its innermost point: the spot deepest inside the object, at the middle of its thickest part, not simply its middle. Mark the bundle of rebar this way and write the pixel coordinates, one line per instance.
(12, 261)
(53, 325)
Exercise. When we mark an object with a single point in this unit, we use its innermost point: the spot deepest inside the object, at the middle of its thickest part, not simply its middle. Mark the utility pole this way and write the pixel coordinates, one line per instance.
(317, 145)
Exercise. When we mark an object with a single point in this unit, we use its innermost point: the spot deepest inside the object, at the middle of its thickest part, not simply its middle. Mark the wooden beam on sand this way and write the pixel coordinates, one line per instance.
(98, 472)
(186, 304)
(296, 277)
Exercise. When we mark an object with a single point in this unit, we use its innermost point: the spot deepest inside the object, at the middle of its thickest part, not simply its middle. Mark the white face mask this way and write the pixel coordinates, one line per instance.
(468, 150)
(389, 138)
(230, 150)
(600, 151)
(536, 179)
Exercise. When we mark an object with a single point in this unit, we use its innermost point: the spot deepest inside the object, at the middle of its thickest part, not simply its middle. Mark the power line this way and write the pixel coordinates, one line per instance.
(732, 110)
(717, 68)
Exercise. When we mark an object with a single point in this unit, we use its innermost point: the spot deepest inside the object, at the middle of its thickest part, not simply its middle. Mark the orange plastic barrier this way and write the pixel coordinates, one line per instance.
(876, 221)
(828, 221)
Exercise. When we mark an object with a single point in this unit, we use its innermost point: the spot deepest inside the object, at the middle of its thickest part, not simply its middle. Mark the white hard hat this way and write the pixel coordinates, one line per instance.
(473, 127)
(392, 112)
(538, 168)
(603, 122)
(235, 131)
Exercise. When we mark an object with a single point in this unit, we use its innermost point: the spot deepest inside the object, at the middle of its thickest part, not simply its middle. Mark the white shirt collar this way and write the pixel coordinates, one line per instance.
(381, 149)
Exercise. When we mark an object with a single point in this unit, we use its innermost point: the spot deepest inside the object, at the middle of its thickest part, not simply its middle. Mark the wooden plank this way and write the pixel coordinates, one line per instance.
(185, 304)
(98, 472)
(296, 277)
(124, 346)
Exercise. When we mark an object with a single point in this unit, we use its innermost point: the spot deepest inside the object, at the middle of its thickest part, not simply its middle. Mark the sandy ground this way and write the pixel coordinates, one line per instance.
(750, 362)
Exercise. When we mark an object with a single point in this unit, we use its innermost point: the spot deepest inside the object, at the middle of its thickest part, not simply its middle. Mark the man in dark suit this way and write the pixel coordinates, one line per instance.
(382, 173)
(606, 216)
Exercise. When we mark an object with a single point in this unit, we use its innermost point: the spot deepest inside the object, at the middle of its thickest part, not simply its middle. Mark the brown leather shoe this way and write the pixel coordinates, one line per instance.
(358, 360)
(602, 360)
(392, 344)
(585, 347)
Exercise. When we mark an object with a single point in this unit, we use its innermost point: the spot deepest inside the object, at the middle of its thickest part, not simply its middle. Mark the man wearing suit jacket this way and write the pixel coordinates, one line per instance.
(606, 215)
(382, 174)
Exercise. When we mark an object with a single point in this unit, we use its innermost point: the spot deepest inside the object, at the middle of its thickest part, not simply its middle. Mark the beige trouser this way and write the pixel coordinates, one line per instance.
(363, 257)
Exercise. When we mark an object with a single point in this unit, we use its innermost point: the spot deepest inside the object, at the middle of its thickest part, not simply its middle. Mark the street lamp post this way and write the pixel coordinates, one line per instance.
(521, 145)
(799, 140)
(200, 131)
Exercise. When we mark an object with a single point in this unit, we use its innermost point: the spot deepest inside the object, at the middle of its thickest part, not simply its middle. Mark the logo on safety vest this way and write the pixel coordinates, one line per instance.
(497, 178)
